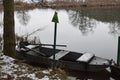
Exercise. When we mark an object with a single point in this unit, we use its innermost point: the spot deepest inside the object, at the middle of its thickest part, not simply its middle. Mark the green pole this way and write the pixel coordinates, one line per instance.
(118, 55)
(55, 20)
(54, 46)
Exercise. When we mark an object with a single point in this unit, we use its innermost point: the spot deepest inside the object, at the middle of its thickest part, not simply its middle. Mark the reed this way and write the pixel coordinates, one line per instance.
(34, 40)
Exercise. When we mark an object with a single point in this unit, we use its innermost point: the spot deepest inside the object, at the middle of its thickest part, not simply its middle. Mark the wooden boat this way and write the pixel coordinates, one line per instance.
(115, 72)
(63, 58)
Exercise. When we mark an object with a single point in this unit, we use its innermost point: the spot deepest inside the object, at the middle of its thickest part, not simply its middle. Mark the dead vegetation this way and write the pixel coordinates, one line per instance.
(11, 69)
(66, 4)
(85, 3)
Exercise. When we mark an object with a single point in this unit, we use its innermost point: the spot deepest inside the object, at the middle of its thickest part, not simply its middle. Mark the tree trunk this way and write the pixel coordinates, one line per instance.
(9, 33)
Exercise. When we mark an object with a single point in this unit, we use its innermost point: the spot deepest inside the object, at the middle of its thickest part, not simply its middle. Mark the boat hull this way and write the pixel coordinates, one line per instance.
(67, 63)
(115, 72)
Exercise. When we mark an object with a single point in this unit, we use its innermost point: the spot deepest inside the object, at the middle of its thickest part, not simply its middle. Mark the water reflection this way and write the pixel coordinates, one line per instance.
(103, 14)
(23, 17)
(78, 18)
(110, 16)
(85, 19)
(114, 28)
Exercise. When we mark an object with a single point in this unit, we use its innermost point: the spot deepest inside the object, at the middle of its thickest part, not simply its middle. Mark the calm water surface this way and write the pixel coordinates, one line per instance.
(95, 31)
(85, 30)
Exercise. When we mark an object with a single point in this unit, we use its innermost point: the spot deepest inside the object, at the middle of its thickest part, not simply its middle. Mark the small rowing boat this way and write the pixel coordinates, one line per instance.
(64, 59)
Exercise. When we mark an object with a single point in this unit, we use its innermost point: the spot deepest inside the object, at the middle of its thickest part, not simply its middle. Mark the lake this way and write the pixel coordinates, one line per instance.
(82, 30)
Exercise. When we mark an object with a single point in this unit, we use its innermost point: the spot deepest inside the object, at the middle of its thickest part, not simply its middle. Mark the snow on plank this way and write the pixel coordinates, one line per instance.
(59, 55)
(86, 57)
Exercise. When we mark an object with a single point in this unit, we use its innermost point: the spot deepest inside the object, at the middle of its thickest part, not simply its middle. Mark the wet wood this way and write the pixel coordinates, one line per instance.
(115, 72)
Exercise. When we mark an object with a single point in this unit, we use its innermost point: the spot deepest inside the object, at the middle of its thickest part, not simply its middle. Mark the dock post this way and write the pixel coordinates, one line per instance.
(55, 20)
(118, 54)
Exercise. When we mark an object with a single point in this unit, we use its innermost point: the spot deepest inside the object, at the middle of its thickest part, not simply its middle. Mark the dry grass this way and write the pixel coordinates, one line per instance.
(66, 4)
(87, 3)
(21, 70)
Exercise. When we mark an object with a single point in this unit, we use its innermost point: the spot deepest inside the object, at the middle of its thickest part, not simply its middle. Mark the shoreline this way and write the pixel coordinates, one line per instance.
(64, 5)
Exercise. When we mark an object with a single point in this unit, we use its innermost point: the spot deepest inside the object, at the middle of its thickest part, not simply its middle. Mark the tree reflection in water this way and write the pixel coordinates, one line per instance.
(84, 24)
(114, 28)
(23, 17)
(85, 19)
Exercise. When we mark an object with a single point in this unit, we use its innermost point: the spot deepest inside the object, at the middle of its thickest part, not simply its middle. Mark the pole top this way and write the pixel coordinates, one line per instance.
(55, 18)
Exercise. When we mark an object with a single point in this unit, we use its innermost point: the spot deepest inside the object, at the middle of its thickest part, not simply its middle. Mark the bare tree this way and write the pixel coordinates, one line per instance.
(9, 33)
(23, 17)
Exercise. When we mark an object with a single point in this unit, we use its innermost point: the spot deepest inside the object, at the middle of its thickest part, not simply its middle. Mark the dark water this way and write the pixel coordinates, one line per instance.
(83, 30)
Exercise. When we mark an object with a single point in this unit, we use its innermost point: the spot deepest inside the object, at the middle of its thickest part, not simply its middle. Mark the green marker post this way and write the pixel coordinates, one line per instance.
(55, 20)
(118, 55)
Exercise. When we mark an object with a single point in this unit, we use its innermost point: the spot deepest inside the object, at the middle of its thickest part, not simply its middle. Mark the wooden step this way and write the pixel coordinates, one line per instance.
(59, 55)
(86, 57)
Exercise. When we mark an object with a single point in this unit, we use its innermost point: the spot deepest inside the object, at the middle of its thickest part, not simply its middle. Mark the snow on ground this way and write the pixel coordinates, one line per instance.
(30, 1)
(16, 70)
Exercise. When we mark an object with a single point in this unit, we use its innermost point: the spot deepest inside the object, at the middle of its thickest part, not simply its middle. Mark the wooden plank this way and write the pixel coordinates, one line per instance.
(49, 45)
(35, 51)
(59, 55)
(30, 46)
(86, 57)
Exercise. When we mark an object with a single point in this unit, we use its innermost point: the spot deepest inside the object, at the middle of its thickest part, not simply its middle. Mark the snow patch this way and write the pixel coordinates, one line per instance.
(9, 67)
